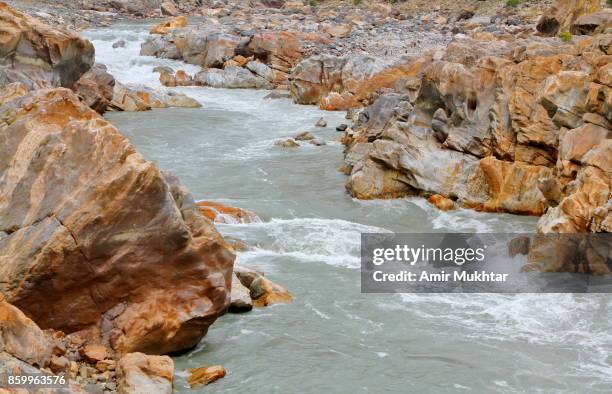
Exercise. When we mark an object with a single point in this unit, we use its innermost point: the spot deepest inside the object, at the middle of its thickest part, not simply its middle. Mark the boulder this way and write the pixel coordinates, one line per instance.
(39, 55)
(304, 136)
(563, 13)
(136, 98)
(93, 353)
(22, 338)
(321, 123)
(205, 375)
(169, 25)
(96, 88)
(231, 77)
(441, 202)
(287, 143)
(240, 297)
(220, 213)
(595, 23)
(140, 373)
(168, 7)
(264, 292)
(108, 246)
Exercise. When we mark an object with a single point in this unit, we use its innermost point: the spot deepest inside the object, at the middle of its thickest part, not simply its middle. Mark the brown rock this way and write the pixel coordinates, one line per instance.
(59, 364)
(22, 338)
(220, 213)
(168, 7)
(205, 375)
(140, 373)
(241, 297)
(287, 143)
(93, 353)
(106, 365)
(39, 55)
(563, 13)
(121, 251)
(441, 202)
(264, 292)
(167, 26)
(519, 245)
(96, 88)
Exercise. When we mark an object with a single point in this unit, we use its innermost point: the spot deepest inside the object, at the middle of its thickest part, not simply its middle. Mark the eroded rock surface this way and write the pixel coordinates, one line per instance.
(97, 240)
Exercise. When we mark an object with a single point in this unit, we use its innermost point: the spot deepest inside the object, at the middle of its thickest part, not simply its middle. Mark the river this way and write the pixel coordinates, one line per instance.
(332, 338)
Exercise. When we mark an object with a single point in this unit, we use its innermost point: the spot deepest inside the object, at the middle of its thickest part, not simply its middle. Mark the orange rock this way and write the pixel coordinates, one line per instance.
(264, 292)
(167, 26)
(220, 213)
(94, 353)
(441, 202)
(205, 375)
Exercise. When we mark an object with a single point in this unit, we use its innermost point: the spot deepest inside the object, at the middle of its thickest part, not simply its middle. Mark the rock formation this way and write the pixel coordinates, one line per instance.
(497, 124)
(95, 240)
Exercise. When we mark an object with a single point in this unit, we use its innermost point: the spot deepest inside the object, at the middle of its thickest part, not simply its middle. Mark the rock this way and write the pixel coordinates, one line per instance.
(262, 70)
(119, 44)
(519, 245)
(240, 297)
(246, 275)
(169, 8)
(341, 127)
(162, 271)
(321, 123)
(59, 364)
(38, 55)
(264, 292)
(287, 143)
(93, 353)
(441, 202)
(317, 142)
(337, 30)
(280, 50)
(278, 94)
(304, 136)
(594, 23)
(220, 213)
(106, 365)
(169, 25)
(205, 375)
(136, 98)
(96, 88)
(563, 13)
(163, 69)
(180, 78)
(12, 91)
(22, 338)
(140, 373)
(232, 77)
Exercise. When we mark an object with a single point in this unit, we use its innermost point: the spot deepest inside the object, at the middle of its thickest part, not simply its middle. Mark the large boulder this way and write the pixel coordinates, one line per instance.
(563, 13)
(95, 239)
(22, 338)
(39, 55)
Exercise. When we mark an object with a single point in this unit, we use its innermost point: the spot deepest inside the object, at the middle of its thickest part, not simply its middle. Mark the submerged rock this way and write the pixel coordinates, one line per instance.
(287, 143)
(304, 136)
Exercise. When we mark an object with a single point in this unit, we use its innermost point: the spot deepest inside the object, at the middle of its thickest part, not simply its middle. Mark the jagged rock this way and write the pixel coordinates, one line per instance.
(167, 26)
(96, 88)
(139, 373)
(563, 13)
(205, 375)
(232, 77)
(22, 338)
(220, 213)
(240, 297)
(106, 236)
(595, 23)
(38, 55)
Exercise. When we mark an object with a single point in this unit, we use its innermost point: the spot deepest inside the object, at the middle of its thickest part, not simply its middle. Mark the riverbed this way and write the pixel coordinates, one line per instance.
(333, 338)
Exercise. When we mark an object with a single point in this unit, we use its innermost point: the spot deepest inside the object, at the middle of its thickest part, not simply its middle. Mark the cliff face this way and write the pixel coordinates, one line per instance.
(95, 239)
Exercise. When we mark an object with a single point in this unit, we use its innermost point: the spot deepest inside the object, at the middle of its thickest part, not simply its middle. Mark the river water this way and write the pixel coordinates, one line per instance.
(332, 338)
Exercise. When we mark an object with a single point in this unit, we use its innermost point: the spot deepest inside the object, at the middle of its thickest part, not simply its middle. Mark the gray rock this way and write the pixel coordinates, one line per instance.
(287, 143)
(318, 142)
(240, 297)
(304, 136)
(321, 123)
(119, 44)
(231, 78)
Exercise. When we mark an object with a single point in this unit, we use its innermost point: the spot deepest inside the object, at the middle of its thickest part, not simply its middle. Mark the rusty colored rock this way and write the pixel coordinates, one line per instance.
(205, 375)
(167, 26)
(220, 213)
(122, 254)
(93, 353)
(39, 55)
(441, 202)
(563, 13)
(22, 338)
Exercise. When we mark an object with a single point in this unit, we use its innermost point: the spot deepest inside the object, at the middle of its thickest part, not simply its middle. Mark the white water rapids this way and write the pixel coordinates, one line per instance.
(333, 338)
